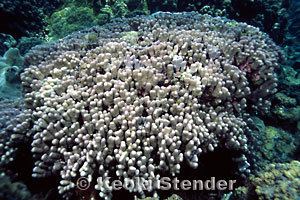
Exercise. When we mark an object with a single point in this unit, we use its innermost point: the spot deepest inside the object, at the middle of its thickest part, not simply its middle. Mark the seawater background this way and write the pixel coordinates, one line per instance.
(32, 22)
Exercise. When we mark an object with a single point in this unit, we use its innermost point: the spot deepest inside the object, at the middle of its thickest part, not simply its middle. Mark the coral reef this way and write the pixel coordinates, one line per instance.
(274, 181)
(278, 181)
(137, 7)
(8, 110)
(279, 145)
(172, 197)
(163, 5)
(77, 15)
(6, 42)
(23, 43)
(269, 144)
(25, 17)
(293, 36)
(290, 81)
(286, 108)
(287, 114)
(285, 100)
(12, 190)
(241, 193)
(98, 105)
(26, 43)
(269, 16)
(11, 64)
(68, 20)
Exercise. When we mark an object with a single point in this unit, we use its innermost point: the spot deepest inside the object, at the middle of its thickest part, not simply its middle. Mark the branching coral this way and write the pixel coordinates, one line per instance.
(8, 110)
(113, 107)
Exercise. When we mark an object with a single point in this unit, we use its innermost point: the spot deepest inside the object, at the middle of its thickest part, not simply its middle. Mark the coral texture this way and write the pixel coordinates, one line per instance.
(25, 17)
(278, 181)
(294, 33)
(270, 16)
(68, 20)
(6, 42)
(100, 105)
(269, 144)
(26, 43)
(172, 197)
(77, 15)
(13, 190)
(11, 64)
(8, 110)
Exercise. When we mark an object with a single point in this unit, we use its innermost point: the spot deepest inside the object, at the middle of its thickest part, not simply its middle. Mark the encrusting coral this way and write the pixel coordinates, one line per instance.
(275, 181)
(278, 181)
(269, 144)
(70, 19)
(77, 15)
(110, 107)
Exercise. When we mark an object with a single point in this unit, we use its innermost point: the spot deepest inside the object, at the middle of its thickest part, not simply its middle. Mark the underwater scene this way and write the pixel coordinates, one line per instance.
(150, 100)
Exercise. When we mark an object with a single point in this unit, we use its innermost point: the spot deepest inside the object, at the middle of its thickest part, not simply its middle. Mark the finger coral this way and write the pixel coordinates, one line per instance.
(9, 109)
(112, 107)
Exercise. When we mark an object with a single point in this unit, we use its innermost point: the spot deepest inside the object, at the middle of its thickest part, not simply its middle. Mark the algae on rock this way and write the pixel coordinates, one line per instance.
(10, 68)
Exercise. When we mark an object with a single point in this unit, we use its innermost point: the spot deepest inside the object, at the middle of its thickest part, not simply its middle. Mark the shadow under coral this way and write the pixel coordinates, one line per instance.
(219, 164)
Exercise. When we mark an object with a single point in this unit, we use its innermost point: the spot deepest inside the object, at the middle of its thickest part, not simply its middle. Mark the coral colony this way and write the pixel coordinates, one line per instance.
(98, 104)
